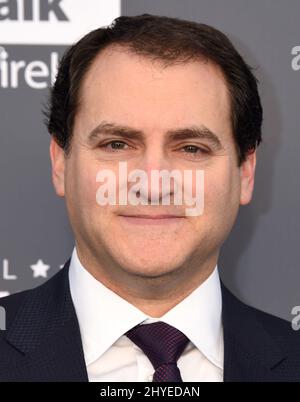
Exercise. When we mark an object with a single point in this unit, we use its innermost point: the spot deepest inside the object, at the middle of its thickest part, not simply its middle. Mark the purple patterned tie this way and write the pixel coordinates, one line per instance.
(162, 344)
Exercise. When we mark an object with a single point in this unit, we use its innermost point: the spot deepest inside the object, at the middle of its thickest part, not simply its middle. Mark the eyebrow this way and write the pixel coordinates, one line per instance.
(178, 134)
(106, 128)
(195, 132)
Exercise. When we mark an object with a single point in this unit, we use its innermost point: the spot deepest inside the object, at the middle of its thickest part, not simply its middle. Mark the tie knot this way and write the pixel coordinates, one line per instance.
(161, 343)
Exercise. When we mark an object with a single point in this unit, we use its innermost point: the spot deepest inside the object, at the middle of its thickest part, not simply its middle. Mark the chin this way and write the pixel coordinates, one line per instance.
(151, 264)
(151, 271)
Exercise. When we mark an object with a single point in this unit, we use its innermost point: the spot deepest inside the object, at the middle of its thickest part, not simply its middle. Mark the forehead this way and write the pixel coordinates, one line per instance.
(128, 89)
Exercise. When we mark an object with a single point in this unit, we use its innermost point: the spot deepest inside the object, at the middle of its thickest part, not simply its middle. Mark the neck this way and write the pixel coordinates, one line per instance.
(154, 296)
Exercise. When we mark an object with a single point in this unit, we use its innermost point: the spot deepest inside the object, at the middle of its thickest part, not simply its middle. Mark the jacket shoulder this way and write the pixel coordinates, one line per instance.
(14, 303)
(246, 316)
(11, 305)
(280, 329)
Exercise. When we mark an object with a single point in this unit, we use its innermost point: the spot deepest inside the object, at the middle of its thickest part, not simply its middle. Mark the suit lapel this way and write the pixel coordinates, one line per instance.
(250, 353)
(46, 332)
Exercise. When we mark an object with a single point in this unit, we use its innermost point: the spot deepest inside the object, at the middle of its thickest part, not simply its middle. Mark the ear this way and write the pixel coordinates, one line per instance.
(57, 156)
(247, 174)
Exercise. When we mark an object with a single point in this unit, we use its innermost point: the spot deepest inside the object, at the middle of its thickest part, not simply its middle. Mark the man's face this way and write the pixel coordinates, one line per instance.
(156, 108)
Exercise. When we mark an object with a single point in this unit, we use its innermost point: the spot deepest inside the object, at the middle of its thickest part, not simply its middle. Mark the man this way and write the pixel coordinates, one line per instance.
(140, 299)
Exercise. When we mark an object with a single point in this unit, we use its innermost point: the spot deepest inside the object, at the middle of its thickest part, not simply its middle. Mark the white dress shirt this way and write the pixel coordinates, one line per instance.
(104, 317)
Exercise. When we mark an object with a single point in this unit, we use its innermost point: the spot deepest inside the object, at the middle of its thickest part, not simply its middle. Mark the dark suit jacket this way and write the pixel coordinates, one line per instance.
(42, 340)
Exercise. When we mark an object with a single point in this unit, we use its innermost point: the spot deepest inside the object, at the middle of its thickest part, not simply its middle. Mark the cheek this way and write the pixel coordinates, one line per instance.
(81, 185)
(98, 216)
(88, 187)
(221, 191)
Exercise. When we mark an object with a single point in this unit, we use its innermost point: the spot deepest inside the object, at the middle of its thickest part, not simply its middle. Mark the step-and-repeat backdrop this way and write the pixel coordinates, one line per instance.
(260, 260)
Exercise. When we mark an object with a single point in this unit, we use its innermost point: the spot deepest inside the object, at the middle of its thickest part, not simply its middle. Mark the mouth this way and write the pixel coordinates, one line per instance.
(162, 219)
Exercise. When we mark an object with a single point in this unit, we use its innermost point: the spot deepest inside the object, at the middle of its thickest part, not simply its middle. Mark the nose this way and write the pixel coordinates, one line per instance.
(154, 163)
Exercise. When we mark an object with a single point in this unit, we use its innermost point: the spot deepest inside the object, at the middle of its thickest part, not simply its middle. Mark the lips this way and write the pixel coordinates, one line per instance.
(142, 219)
(152, 216)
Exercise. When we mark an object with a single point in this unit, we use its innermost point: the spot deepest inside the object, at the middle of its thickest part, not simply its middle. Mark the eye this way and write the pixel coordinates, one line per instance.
(114, 145)
(194, 149)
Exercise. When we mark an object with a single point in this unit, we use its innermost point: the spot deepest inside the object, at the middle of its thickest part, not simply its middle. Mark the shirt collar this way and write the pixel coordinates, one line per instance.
(198, 316)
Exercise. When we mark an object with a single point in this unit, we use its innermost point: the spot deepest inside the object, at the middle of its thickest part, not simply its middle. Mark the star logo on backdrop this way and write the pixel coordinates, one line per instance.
(40, 269)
